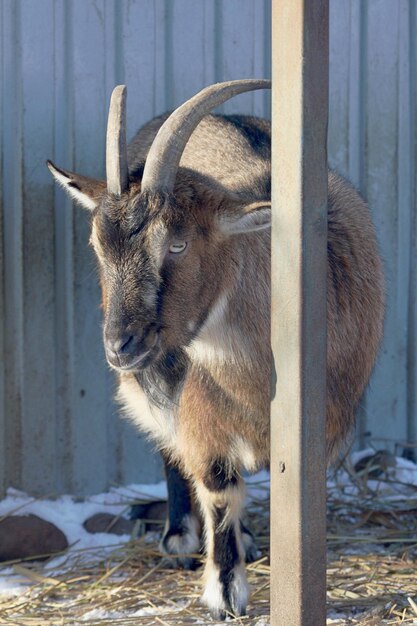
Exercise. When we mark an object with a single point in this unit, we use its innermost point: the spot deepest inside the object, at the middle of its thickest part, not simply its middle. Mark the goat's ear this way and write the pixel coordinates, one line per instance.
(86, 191)
(254, 216)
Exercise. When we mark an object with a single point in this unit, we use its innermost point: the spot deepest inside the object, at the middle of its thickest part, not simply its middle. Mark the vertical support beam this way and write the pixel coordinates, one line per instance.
(299, 264)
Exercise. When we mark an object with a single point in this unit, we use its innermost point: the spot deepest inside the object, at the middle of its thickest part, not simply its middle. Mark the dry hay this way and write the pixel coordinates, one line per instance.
(372, 546)
(372, 574)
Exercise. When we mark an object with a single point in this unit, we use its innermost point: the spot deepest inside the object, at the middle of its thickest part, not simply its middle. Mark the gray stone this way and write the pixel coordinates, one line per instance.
(108, 523)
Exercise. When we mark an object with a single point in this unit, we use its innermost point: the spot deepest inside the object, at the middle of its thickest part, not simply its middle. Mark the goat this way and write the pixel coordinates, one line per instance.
(181, 233)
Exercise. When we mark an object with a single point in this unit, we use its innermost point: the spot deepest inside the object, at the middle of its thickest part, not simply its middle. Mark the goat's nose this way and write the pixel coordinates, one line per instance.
(121, 349)
(120, 344)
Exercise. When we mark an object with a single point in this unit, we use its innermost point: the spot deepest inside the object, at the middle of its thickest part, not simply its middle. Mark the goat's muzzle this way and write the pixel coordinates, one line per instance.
(128, 351)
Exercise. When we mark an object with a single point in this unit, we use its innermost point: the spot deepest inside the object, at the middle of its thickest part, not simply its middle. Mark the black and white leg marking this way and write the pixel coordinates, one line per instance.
(182, 529)
(221, 496)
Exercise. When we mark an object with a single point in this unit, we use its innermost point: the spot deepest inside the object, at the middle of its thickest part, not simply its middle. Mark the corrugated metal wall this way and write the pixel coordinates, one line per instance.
(372, 139)
(59, 429)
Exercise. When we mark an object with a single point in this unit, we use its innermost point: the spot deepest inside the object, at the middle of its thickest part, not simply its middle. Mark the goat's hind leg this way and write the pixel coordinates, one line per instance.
(221, 494)
(249, 544)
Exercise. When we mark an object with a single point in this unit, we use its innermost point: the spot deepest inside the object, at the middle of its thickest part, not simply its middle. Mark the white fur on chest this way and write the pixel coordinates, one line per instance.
(217, 342)
(158, 423)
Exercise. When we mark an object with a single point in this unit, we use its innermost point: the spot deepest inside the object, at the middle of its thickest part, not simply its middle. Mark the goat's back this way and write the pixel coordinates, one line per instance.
(233, 150)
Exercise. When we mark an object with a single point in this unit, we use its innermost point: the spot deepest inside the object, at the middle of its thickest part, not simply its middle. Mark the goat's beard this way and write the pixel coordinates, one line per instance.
(163, 379)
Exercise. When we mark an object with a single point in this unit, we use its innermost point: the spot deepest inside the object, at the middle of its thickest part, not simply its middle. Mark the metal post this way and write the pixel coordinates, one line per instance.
(299, 262)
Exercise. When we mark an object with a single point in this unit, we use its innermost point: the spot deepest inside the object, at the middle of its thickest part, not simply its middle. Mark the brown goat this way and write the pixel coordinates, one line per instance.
(183, 243)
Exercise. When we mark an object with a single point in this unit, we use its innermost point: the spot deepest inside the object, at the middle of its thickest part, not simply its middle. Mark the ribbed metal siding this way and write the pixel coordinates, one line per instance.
(60, 59)
(372, 139)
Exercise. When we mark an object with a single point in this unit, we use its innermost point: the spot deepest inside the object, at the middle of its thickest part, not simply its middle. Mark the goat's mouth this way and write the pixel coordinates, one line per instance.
(142, 361)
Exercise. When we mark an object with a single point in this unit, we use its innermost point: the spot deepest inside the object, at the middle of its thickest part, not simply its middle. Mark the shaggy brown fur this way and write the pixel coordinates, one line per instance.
(201, 318)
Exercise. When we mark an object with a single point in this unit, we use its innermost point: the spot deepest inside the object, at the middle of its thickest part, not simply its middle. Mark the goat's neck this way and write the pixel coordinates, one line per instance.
(234, 329)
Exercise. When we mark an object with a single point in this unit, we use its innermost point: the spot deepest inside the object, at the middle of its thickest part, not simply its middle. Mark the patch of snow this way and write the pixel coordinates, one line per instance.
(11, 585)
(396, 482)
(69, 513)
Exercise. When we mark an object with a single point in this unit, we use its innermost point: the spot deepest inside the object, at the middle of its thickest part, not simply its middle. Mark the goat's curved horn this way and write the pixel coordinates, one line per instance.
(116, 153)
(169, 144)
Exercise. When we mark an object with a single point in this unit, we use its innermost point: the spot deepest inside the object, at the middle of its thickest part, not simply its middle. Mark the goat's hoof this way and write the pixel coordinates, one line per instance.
(218, 615)
(249, 545)
(178, 544)
(180, 562)
(226, 597)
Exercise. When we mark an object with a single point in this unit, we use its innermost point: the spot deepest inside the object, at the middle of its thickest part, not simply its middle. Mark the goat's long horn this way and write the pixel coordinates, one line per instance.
(116, 153)
(169, 144)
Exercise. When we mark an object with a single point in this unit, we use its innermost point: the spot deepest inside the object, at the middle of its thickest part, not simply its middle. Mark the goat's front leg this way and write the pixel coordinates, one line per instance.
(182, 529)
(221, 494)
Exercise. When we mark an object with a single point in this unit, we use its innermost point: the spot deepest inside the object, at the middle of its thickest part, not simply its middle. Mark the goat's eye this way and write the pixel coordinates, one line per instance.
(177, 247)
